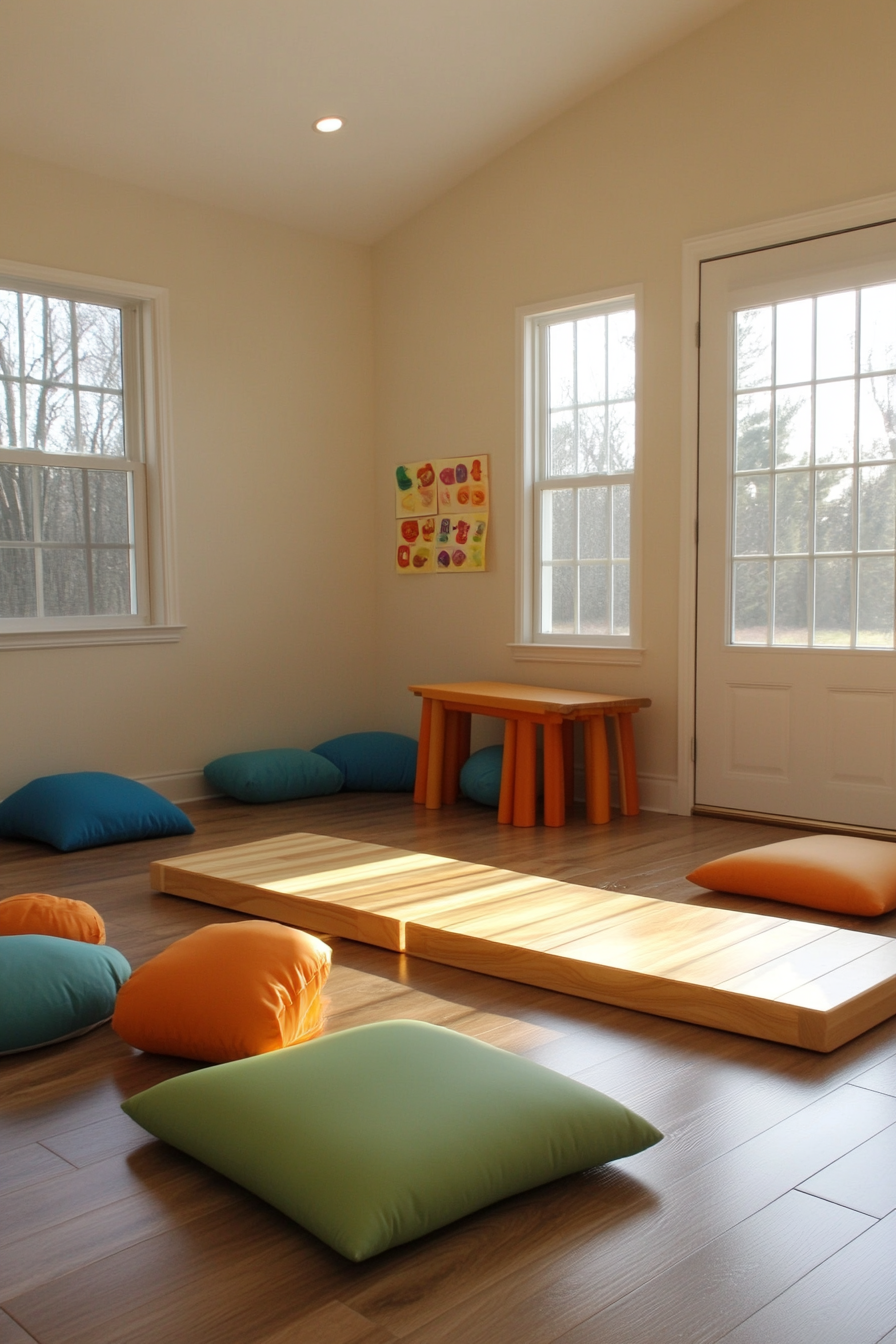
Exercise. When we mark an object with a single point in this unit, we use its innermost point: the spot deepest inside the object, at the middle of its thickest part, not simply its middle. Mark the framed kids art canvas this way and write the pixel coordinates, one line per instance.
(442, 508)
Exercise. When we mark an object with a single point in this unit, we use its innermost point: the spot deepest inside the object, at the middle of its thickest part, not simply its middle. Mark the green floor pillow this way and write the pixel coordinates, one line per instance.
(372, 1137)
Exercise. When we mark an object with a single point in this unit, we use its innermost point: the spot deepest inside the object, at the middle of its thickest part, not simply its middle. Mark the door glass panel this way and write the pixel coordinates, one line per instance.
(835, 416)
(833, 511)
(791, 602)
(877, 418)
(751, 524)
(792, 513)
(878, 328)
(793, 342)
(751, 602)
(753, 431)
(753, 334)
(877, 508)
(833, 618)
(877, 597)
(831, 405)
(836, 335)
(793, 427)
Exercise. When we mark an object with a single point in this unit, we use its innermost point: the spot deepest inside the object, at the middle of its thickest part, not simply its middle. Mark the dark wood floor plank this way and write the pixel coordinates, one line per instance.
(333, 1324)
(864, 1179)
(704, 1296)
(226, 1278)
(92, 1143)
(79, 1191)
(62, 1247)
(29, 1166)
(11, 1332)
(850, 1299)
(539, 1303)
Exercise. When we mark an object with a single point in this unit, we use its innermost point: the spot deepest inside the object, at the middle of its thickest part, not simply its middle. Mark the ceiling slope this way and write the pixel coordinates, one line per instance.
(214, 100)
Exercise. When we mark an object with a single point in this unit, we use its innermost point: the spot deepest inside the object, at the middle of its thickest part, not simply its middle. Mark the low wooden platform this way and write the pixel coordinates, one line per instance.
(790, 981)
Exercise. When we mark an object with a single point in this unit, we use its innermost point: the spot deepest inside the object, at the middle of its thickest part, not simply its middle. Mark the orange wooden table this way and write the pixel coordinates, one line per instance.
(445, 745)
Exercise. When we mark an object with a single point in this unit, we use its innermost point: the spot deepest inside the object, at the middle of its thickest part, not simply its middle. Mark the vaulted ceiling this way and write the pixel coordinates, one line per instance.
(214, 100)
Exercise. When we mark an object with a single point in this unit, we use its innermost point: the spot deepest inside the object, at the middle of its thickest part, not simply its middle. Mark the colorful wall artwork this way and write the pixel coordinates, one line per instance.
(442, 508)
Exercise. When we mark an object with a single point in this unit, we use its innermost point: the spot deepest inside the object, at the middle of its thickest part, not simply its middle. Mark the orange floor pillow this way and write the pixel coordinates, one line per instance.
(226, 992)
(52, 916)
(825, 872)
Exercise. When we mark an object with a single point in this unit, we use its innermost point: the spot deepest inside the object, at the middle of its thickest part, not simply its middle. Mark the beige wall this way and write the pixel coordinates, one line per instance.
(271, 381)
(779, 107)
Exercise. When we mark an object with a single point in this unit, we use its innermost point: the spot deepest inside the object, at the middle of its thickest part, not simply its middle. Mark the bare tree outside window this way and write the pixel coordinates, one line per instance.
(66, 495)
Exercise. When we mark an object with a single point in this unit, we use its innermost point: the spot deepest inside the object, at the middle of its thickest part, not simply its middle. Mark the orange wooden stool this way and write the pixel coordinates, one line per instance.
(445, 745)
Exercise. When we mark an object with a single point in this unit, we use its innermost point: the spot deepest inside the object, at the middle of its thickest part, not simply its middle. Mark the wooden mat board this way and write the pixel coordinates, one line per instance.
(791, 981)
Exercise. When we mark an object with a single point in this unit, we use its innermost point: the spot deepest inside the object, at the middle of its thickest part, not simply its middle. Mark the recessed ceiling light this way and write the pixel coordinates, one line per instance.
(328, 124)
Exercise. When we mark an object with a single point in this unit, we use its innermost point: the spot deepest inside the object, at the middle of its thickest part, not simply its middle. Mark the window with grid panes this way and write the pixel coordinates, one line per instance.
(814, 508)
(71, 469)
(584, 431)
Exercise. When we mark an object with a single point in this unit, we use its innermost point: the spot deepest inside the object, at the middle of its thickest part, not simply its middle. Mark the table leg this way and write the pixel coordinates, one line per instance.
(436, 755)
(597, 771)
(463, 739)
(423, 752)
(554, 793)
(451, 761)
(569, 778)
(524, 776)
(508, 774)
(625, 759)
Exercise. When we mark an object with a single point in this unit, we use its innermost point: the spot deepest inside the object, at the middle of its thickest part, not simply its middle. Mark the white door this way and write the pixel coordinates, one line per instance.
(796, 669)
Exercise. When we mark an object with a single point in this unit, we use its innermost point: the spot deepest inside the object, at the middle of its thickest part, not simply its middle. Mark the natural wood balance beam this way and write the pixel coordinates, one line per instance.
(783, 980)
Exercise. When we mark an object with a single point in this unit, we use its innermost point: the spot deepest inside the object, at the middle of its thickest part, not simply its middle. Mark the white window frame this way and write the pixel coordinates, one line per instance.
(146, 357)
(530, 644)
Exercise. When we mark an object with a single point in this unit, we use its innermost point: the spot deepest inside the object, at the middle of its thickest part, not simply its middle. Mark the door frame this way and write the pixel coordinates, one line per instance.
(714, 247)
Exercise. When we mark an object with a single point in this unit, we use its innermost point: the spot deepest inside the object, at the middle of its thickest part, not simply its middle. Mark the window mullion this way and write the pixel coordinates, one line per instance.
(37, 535)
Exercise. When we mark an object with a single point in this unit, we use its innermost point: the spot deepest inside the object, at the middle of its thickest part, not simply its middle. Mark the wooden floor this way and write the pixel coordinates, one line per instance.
(790, 981)
(766, 1216)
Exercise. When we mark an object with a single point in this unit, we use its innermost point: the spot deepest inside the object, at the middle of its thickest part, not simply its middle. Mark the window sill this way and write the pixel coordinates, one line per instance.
(56, 639)
(576, 653)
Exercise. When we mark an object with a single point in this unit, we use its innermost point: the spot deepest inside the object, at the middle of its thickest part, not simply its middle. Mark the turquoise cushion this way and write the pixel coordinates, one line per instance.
(53, 988)
(273, 776)
(480, 776)
(89, 808)
(374, 762)
(374, 1136)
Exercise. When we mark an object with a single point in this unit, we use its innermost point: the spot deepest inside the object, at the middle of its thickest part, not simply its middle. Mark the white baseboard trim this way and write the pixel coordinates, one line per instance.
(183, 786)
(657, 792)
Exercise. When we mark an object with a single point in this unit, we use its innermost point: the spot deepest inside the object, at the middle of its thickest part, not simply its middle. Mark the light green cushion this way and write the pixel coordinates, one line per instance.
(374, 1136)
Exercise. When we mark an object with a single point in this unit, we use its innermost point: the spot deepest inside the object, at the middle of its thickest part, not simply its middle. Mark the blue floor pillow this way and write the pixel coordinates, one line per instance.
(54, 988)
(273, 776)
(89, 808)
(374, 762)
(480, 776)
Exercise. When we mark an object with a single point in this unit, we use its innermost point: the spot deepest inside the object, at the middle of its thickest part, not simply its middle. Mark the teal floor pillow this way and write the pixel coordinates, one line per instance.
(373, 1136)
(374, 762)
(87, 808)
(54, 988)
(480, 776)
(273, 776)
